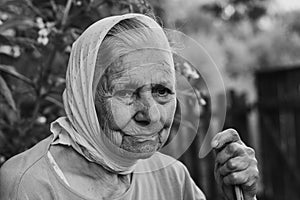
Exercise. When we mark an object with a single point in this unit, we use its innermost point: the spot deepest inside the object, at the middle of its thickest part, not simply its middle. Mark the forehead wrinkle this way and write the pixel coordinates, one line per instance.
(130, 83)
(121, 72)
(157, 73)
(122, 68)
(123, 62)
(123, 78)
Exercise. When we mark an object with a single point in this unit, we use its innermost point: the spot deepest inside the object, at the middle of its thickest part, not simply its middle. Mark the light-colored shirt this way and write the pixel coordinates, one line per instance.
(31, 176)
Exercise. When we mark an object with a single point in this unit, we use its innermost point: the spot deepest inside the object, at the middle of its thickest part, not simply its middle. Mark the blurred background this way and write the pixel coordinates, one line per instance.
(255, 44)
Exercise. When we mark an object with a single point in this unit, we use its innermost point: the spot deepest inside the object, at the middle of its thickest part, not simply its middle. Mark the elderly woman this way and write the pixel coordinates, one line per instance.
(120, 101)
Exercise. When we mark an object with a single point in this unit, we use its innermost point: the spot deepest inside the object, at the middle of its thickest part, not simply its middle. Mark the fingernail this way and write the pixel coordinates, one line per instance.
(214, 144)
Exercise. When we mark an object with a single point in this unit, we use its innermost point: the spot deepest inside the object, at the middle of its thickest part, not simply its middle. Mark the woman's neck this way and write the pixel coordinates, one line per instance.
(86, 177)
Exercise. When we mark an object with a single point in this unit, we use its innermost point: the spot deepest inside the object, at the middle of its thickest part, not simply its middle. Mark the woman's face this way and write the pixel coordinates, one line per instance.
(136, 101)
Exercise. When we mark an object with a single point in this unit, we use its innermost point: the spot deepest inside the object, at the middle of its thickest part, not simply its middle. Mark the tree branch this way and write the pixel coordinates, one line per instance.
(66, 13)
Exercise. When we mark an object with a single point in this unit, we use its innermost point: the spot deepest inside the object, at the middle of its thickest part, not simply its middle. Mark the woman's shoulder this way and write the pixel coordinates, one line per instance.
(26, 159)
(23, 167)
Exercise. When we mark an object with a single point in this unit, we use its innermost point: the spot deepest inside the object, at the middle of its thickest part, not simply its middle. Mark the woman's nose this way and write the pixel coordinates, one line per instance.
(147, 112)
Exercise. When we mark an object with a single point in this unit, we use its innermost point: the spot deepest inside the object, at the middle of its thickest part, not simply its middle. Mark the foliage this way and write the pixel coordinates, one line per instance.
(237, 10)
(242, 45)
(35, 42)
(279, 45)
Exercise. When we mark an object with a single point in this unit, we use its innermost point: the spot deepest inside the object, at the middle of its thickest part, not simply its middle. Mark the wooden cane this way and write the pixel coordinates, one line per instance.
(238, 193)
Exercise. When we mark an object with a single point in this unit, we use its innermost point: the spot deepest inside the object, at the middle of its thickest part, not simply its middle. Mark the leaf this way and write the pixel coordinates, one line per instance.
(54, 101)
(66, 12)
(4, 40)
(3, 141)
(19, 7)
(13, 6)
(24, 23)
(6, 59)
(95, 4)
(23, 42)
(11, 71)
(8, 116)
(6, 93)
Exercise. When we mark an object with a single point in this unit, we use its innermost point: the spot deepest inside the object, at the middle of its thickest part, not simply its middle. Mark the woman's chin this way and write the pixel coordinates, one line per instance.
(143, 149)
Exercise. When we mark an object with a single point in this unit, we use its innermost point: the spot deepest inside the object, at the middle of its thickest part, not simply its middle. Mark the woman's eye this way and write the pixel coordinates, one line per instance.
(161, 91)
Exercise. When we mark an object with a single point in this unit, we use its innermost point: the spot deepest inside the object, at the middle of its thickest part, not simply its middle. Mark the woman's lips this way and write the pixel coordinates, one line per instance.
(145, 137)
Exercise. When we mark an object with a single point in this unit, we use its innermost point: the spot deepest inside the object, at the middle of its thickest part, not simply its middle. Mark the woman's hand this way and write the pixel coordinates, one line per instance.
(235, 164)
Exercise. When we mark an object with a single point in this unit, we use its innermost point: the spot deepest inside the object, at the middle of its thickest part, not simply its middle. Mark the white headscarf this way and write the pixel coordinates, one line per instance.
(80, 128)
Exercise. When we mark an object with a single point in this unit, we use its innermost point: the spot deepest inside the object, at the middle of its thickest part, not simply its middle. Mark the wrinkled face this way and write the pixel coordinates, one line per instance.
(135, 101)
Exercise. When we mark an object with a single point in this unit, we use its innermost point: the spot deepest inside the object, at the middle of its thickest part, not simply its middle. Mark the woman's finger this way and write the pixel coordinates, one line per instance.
(245, 177)
(229, 151)
(225, 137)
(234, 165)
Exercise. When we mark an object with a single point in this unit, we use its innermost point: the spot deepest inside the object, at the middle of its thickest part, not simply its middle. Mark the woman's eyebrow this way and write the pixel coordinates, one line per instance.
(164, 83)
(135, 86)
(128, 85)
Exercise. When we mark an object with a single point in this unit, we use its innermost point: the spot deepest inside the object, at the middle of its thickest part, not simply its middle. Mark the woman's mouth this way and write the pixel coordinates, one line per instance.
(144, 136)
(143, 139)
(142, 143)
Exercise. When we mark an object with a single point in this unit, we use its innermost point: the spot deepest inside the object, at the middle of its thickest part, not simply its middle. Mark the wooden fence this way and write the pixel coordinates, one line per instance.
(279, 119)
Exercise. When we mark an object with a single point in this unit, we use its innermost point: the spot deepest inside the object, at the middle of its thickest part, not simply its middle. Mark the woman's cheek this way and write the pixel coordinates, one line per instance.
(169, 112)
(120, 114)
